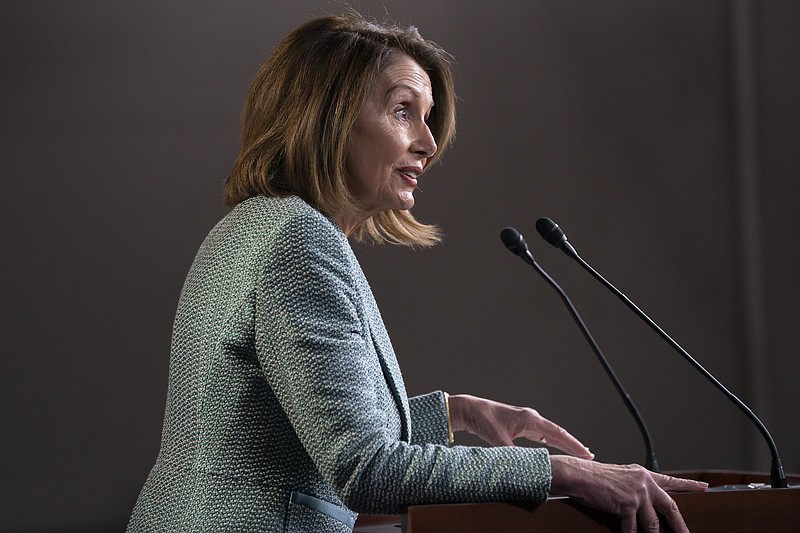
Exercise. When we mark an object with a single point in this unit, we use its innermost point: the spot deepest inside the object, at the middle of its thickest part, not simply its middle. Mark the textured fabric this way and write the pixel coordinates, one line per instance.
(429, 419)
(283, 380)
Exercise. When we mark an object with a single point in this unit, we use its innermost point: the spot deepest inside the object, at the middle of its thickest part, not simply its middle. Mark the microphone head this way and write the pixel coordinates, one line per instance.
(513, 241)
(550, 231)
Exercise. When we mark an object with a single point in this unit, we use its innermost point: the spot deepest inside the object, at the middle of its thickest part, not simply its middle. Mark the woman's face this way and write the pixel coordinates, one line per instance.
(390, 141)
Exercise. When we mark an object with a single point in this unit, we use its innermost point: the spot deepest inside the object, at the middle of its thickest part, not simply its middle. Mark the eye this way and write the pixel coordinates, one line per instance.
(402, 112)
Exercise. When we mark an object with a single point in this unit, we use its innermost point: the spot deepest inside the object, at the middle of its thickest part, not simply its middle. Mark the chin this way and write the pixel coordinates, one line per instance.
(406, 202)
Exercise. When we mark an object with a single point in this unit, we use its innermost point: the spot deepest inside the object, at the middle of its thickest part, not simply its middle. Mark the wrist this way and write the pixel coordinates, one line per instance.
(566, 472)
(458, 411)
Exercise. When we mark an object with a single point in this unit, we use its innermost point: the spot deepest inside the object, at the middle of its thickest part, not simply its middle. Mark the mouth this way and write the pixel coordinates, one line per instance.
(410, 174)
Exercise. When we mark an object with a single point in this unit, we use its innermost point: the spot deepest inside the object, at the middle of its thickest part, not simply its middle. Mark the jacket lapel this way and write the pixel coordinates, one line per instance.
(391, 372)
(384, 351)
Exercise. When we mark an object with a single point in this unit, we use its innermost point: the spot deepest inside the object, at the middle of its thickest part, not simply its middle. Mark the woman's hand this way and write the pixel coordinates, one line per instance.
(499, 424)
(631, 492)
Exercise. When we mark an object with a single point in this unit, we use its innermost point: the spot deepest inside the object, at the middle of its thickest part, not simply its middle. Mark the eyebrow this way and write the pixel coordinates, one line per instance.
(395, 88)
(413, 90)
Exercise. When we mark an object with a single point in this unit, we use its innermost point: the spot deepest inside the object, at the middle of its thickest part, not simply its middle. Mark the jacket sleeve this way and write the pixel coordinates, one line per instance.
(429, 423)
(311, 342)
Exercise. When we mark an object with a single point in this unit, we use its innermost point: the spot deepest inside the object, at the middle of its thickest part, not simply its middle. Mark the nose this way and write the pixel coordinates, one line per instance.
(424, 145)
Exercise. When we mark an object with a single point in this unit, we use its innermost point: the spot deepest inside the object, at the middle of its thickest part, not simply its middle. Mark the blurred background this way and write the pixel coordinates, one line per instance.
(662, 136)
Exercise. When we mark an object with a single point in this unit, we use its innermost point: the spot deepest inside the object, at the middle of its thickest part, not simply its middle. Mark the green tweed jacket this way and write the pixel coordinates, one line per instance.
(286, 408)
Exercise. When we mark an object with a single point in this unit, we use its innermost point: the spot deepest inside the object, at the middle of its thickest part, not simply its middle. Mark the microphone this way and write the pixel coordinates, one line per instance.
(553, 234)
(517, 245)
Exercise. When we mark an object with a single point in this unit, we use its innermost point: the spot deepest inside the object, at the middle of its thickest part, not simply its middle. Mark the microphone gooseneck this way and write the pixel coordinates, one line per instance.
(553, 234)
(514, 241)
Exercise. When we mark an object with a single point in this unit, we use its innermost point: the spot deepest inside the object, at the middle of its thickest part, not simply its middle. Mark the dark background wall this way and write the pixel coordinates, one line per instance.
(663, 136)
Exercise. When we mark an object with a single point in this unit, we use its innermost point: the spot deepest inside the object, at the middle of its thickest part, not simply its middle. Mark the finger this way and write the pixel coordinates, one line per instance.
(669, 509)
(628, 524)
(677, 484)
(554, 435)
(648, 518)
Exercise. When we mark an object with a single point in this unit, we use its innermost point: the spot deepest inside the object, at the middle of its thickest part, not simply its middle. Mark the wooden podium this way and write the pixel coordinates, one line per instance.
(742, 508)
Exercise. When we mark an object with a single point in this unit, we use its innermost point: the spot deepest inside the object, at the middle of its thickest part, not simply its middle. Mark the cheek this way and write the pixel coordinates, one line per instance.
(364, 166)
(373, 153)
(358, 154)
(385, 141)
(362, 170)
(376, 159)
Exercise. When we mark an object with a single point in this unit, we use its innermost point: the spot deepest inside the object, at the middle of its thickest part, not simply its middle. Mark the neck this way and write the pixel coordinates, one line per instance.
(351, 221)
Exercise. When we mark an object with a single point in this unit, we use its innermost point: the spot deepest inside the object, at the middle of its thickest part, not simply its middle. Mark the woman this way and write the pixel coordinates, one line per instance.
(286, 408)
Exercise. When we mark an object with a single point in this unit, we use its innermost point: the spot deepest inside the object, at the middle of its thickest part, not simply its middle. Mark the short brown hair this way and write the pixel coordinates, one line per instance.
(300, 109)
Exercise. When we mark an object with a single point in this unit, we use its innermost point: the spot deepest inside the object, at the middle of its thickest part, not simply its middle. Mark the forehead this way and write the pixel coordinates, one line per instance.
(402, 72)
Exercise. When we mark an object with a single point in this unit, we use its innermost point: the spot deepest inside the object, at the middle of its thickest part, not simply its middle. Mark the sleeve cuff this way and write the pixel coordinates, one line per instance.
(430, 423)
(450, 438)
